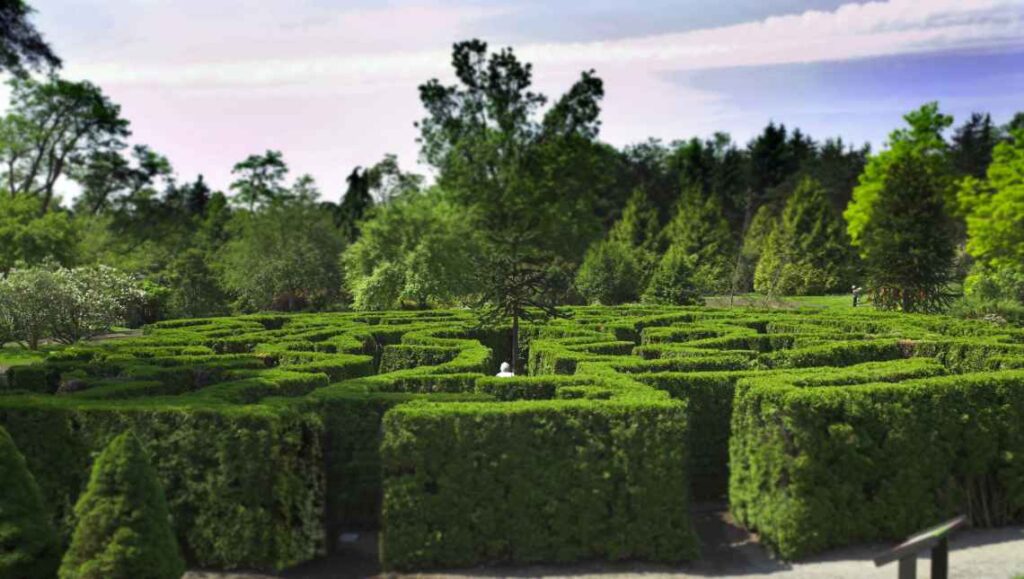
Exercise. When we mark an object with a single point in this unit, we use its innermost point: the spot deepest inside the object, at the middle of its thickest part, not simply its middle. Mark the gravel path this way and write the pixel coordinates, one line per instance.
(728, 552)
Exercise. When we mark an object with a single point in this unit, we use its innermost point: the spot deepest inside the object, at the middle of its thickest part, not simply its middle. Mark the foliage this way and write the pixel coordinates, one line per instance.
(808, 253)
(610, 273)
(66, 305)
(28, 545)
(443, 512)
(900, 216)
(673, 280)
(699, 231)
(995, 223)
(307, 393)
(194, 288)
(873, 462)
(21, 45)
(499, 161)
(416, 247)
(260, 180)
(53, 126)
(283, 257)
(29, 237)
(123, 527)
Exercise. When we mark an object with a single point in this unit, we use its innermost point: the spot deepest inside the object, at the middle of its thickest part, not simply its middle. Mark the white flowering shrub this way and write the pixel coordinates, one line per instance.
(64, 304)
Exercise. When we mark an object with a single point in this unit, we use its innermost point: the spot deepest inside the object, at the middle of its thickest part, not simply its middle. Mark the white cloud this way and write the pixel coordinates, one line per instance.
(364, 53)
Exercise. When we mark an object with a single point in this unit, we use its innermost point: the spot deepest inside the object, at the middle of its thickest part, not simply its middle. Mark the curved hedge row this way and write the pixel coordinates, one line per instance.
(272, 434)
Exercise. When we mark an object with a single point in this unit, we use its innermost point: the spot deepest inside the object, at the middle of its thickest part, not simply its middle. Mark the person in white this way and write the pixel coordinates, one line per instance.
(506, 371)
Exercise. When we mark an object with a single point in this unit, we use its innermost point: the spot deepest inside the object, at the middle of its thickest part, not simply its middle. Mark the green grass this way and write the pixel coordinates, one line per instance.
(15, 355)
(752, 300)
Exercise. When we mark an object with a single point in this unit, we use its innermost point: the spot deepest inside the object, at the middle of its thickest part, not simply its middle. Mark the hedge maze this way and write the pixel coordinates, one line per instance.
(272, 434)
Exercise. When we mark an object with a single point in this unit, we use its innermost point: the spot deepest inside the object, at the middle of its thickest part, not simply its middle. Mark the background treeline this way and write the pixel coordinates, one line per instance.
(528, 209)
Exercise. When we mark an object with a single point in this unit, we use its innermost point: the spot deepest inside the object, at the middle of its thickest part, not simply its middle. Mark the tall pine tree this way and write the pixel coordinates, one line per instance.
(899, 218)
(808, 252)
(700, 231)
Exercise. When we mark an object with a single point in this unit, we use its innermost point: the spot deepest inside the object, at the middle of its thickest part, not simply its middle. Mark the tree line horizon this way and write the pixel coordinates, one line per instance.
(530, 210)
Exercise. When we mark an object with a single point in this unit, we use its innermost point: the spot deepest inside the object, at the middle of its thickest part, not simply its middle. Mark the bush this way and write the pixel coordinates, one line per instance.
(28, 544)
(124, 527)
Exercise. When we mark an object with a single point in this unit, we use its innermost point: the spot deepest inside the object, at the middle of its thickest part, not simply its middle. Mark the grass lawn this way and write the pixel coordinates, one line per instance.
(836, 302)
(16, 355)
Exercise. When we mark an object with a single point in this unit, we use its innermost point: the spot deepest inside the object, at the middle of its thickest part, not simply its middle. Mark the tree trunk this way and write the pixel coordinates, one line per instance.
(515, 344)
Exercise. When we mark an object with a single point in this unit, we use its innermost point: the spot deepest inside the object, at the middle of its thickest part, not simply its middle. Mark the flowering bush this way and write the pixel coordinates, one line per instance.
(65, 304)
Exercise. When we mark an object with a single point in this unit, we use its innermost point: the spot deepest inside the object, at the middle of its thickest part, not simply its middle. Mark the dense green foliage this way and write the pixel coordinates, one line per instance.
(391, 419)
(28, 545)
(900, 216)
(807, 253)
(123, 528)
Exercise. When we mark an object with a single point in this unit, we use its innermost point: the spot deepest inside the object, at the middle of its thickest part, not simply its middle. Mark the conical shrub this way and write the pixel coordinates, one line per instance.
(123, 528)
(28, 543)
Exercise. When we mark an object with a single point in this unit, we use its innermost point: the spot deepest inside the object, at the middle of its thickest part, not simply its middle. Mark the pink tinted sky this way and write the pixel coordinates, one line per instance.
(333, 84)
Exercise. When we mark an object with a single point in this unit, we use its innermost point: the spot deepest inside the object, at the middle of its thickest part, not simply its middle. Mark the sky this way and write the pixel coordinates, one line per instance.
(333, 83)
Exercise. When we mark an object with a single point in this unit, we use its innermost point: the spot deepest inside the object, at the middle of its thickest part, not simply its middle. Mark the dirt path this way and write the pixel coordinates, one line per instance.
(727, 552)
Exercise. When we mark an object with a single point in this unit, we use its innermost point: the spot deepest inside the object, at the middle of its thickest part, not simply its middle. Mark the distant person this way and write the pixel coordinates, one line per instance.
(506, 371)
(856, 295)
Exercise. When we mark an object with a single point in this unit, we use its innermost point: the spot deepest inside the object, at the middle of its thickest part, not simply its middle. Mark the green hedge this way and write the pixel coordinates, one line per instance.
(244, 485)
(273, 433)
(530, 481)
(817, 467)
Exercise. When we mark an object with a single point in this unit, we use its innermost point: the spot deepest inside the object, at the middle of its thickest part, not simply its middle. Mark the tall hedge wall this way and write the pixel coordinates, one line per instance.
(272, 434)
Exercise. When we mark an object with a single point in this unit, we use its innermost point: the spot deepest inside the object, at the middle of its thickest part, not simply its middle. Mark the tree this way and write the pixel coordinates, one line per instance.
(53, 127)
(610, 274)
(499, 162)
(21, 45)
(107, 174)
(899, 218)
(28, 238)
(672, 281)
(355, 204)
(416, 247)
(28, 544)
(282, 257)
(123, 526)
(65, 304)
(260, 180)
(700, 231)
(194, 289)
(808, 252)
(972, 145)
(995, 220)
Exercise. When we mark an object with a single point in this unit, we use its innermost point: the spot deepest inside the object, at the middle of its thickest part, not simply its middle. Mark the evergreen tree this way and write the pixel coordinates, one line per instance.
(808, 252)
(28, 544)
(672, 282)
(195, 291)
(701, 232)
(610, 274)
(972, 145)
(995, 222)
(899, 217)
(638, 227)
(356, 203)
(123, 529)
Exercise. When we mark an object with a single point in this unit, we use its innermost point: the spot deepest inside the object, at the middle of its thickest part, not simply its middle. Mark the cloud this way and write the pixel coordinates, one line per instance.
(367, 47)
